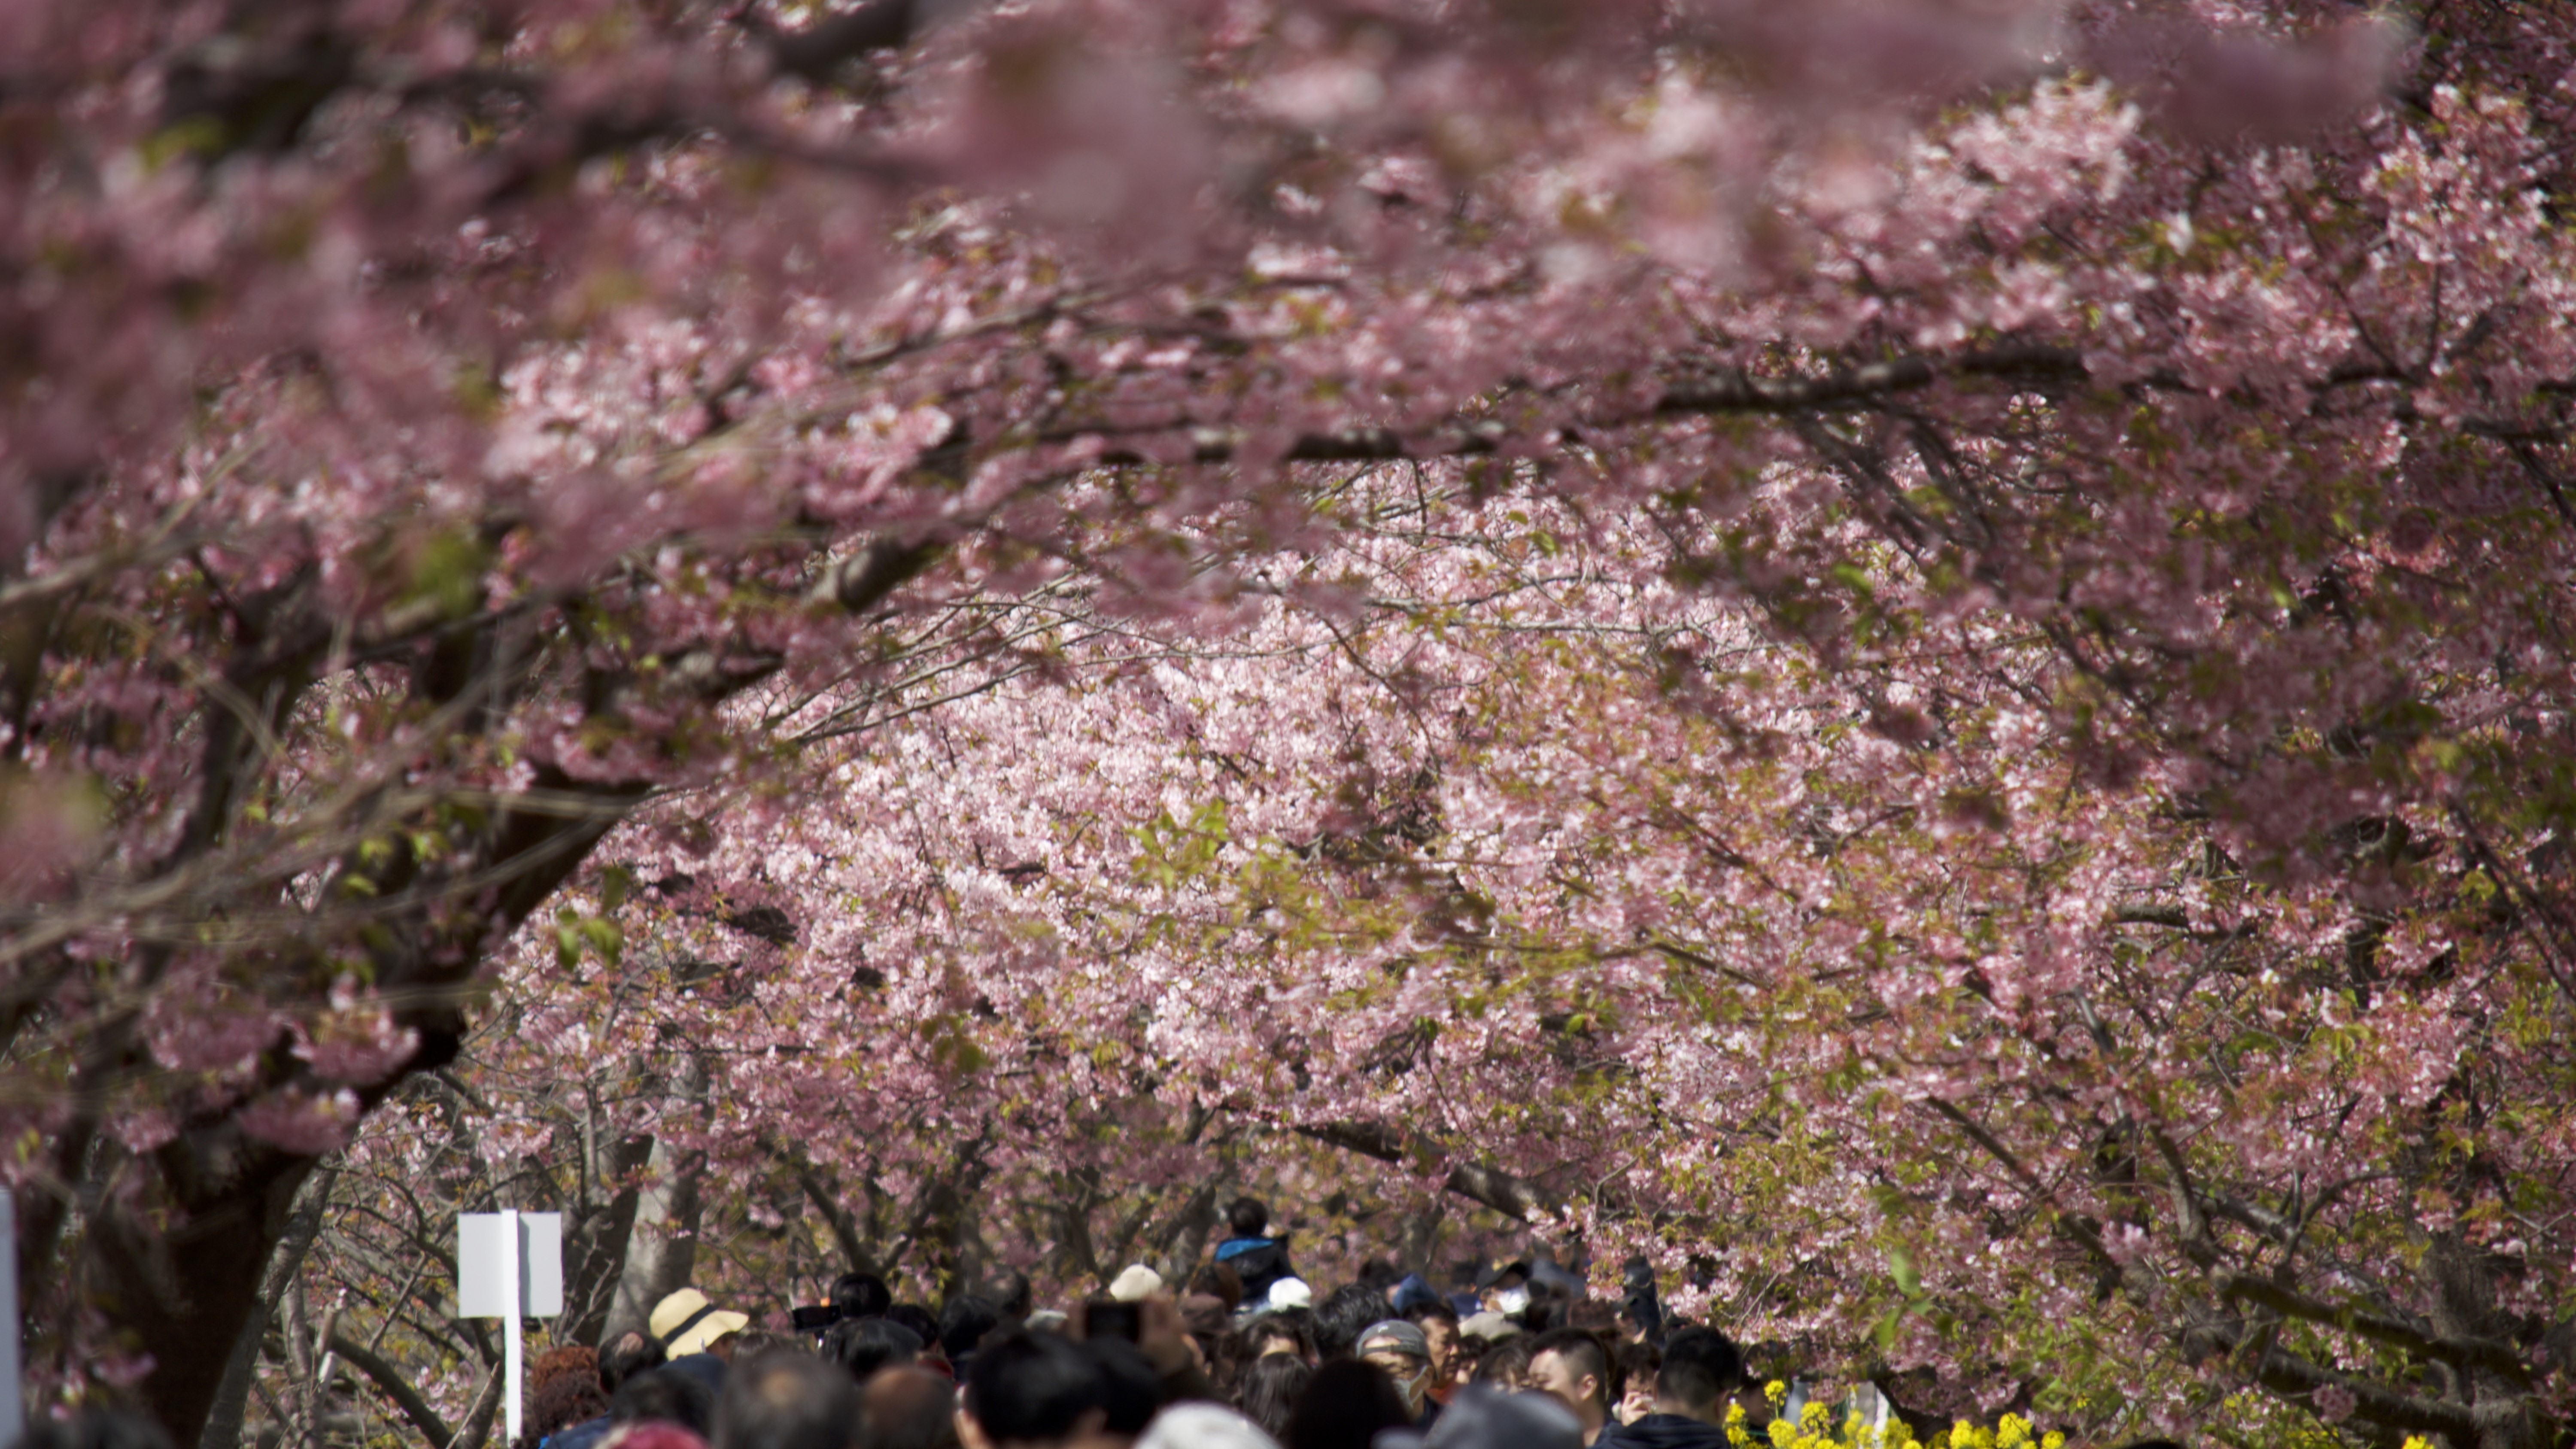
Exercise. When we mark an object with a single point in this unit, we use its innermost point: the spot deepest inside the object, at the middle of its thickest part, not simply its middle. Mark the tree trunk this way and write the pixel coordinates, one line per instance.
(662, 1245)
(601, 1228)
(232, 1394)
(187, 1293)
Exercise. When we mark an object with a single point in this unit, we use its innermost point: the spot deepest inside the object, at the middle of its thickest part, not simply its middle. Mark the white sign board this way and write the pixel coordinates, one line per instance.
(481, 1277)
(509, 1266)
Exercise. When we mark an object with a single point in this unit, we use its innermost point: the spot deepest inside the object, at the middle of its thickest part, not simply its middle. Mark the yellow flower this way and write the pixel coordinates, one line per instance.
(2012, 1432)
(2055, 1440)
(1777, 1392)
(2416, 1441)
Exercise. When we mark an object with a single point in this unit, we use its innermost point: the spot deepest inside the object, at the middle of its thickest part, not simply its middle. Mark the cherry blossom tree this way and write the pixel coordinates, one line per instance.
(2068, 502)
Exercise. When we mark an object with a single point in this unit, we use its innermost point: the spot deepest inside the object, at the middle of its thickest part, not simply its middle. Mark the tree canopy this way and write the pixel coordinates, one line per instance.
(1911, 656)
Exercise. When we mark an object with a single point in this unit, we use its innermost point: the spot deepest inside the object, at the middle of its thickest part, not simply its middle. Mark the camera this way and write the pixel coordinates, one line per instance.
(1109, 1318)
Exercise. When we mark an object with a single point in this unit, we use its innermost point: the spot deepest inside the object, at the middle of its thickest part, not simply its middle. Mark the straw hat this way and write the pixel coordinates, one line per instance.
(686, 1322)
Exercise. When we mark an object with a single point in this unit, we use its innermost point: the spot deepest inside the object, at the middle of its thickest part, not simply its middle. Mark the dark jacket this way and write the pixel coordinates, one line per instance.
(1259, 1262)
(578, 1436)
(1663, 1431)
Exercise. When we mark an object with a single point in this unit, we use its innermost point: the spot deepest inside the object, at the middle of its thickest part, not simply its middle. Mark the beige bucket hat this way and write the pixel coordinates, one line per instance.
(686, 1322)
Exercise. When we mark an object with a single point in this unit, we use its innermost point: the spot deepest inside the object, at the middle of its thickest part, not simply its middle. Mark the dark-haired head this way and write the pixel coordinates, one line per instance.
(917, 1318)
(1269, 1389)
(963, 1322)
(1290, 1331)
(631, 1354)
(1131, 1392)
(1430, 1310)
(1701, 1367)
(1576, 1366)
(861, 1346)
(861, 1295)
(1338, 1322)
(1035, 1388)
(1506, 1365)
(1247, 1217)
(1345, 1406)
(751, 1342)
(1011, 1295)
(664, 1395)
(785, 1398)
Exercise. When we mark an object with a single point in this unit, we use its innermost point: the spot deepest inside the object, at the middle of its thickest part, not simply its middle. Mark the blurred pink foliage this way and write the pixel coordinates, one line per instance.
(1920, 626)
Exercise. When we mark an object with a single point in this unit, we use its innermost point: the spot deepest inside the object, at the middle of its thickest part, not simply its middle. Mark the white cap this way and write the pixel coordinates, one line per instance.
(1291, 1293)
(1203, 1426)
(1135, 1283)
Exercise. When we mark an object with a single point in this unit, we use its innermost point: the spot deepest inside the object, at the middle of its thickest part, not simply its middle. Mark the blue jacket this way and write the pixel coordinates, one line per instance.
(1259, 1262)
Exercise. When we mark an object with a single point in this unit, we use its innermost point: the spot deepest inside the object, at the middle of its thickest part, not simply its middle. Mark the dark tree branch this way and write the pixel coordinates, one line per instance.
(396, 1385)
(1504, 1193)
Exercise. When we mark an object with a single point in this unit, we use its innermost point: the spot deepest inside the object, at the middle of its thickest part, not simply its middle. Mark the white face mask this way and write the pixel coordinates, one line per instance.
(1509, 1301)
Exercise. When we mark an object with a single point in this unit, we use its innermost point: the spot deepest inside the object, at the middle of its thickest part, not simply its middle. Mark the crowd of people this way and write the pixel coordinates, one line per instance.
(1512, 1355)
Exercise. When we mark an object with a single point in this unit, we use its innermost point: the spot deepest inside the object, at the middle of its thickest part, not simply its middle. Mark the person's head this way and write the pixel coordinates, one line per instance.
(1290, 1333)
(1701, 1368)
(1345, 1406)
(1269, 1389)
(578, 1359)
(1204, 1426)
(919, 1319)
(1504, 1366)
(1130, 1390)
(1219, 1281)
(1549, 1308)
(752, 1342)
(566, 1400)
(907, 1408)
(784, 1398)
(1638, 1364)
(1032, 1388)
(1640, 1319)
(1572, 1365)
(1439, 1324)
(861, 1295)
(1482, 1417)
(631, 1354)
(1011, 1294)
(1247, 1217)
(1503, 1286)
(664, 1396)
(963, 1322)
(1381, 1275)
(1352, 1307)
(861, 1346)
(1401, 1352)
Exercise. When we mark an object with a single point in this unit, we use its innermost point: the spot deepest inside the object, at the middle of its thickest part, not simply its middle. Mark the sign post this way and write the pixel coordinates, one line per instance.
(13, 1408)
(509, 1266)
